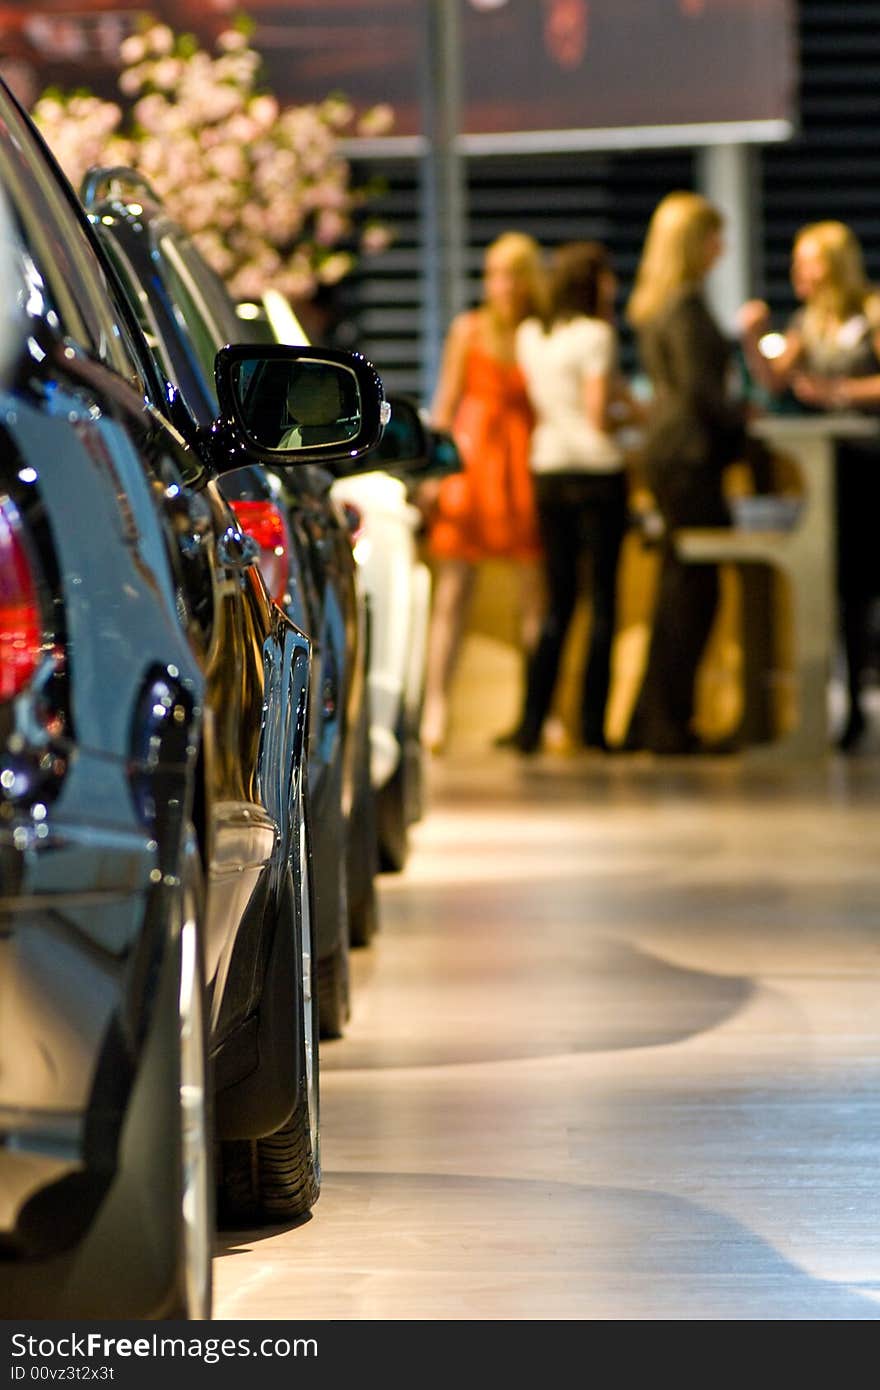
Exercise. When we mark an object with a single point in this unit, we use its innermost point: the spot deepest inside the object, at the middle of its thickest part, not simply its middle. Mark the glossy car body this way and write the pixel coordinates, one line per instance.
(154, 858)
(382, 493)
(398, 584)
(188, 315)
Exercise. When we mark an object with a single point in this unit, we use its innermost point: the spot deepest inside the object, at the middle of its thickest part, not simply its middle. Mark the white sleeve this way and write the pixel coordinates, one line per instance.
(598, 348)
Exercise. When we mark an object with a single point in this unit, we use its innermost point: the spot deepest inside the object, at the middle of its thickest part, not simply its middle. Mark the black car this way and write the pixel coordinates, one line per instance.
(187, 314)
(156, 968)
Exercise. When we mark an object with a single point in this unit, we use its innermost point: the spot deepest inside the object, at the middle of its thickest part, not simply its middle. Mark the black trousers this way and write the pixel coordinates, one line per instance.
(858, 566)
(687, 599)
(582, 517)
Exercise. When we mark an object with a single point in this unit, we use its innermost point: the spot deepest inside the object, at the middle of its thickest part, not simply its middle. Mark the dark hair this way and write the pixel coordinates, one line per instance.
(575, 272)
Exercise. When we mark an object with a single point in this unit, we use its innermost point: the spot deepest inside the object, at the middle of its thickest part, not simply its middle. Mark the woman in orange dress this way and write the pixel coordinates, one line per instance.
(488, 509)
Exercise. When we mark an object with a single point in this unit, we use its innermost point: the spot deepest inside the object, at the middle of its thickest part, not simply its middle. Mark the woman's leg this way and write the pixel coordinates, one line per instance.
(532, 602)
(858, 498)
(453, 586)
(559, 533)
(855, 612)
(604, 524)
(687, 599)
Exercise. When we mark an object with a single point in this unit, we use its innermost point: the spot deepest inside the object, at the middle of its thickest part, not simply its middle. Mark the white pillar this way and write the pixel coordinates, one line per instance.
(725, 175)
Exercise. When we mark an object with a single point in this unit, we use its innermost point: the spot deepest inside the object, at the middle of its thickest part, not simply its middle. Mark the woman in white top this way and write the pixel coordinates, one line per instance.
(570, 365)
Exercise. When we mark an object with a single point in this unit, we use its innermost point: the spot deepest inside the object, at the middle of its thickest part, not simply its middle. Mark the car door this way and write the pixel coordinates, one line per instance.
(248, 652)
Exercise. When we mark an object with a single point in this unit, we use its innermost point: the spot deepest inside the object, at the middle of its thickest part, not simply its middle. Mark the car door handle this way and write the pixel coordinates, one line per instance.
(236, 550)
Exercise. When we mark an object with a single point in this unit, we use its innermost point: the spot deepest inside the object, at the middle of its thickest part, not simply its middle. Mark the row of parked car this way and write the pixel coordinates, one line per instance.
(212, 626)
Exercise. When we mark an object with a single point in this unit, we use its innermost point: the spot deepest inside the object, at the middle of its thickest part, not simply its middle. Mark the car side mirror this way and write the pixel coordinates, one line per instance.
(443, 455)
(404, 448)
(289, 405)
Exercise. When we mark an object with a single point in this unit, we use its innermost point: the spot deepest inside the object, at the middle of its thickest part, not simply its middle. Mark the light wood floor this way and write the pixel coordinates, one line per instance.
(614, 1055)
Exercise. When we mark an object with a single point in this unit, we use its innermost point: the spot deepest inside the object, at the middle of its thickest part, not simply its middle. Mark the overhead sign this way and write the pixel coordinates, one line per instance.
(535, 73)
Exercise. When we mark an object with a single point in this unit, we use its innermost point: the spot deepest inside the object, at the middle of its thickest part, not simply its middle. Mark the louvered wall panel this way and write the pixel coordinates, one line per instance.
(832, 167)
(555, 199)
(379, 306)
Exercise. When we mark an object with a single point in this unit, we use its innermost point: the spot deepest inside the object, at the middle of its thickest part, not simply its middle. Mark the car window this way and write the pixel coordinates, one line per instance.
(212, 290)
(139, 301)
(74, 281)
(192, 312)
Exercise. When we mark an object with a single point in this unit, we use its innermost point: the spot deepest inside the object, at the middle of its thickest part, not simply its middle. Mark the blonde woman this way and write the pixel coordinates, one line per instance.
(831, 360)
(693, 429)
(488, 509)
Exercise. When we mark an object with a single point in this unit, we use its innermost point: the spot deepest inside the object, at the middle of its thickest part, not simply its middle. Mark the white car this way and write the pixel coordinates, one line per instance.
(398, 588)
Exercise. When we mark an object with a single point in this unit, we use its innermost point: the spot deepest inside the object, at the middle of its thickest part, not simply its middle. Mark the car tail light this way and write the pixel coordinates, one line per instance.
(266, 524)
(21, 628)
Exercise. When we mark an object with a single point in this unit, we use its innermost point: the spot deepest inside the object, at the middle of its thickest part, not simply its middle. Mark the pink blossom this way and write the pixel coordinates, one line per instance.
(335, 267)
(232, 41)
(132, 49)
(166, 73)
(247, 282)
(242, 129)
(330, 227)
(131, 81)
(375, 238)
(160, 40)
(149, 111)
(264, 110)
(228, 161)
(336, 112)
(296, 284)
(262, 190)
(377, 121)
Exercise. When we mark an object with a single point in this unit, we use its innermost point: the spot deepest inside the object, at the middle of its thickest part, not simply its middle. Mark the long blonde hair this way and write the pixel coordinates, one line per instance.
(846, 288)
(523, 254)
(673, 254)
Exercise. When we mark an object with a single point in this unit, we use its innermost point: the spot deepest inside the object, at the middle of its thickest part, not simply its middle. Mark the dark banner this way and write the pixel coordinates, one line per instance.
(528, 66)
(264, 1354)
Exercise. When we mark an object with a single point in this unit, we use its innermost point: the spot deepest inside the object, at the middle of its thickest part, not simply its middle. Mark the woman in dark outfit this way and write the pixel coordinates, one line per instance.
(692, 432)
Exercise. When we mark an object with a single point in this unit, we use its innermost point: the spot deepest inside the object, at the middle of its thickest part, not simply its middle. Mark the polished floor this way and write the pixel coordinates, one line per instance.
(614, 1055)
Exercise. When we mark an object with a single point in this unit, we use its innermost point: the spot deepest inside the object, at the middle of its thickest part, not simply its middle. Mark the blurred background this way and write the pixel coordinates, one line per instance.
(564, 119)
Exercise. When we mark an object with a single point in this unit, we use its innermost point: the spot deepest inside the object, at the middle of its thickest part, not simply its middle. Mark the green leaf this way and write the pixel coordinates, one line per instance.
(187, 45)
(244, 24)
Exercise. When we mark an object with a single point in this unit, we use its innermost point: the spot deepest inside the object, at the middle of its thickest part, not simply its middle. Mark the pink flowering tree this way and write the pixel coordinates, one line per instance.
(264, 190)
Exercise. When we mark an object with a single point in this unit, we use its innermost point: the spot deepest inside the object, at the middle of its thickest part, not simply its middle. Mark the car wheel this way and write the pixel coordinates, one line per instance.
(278, 1177)
(196, 1214)
(393, 805)
(393, 826)
(334, 997)
(364, 916)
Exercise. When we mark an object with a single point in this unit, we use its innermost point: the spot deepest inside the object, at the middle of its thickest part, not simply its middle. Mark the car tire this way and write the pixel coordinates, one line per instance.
(397, 803)
(334, 990)
(364, 917)
(393, 825)
(277, 1177)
